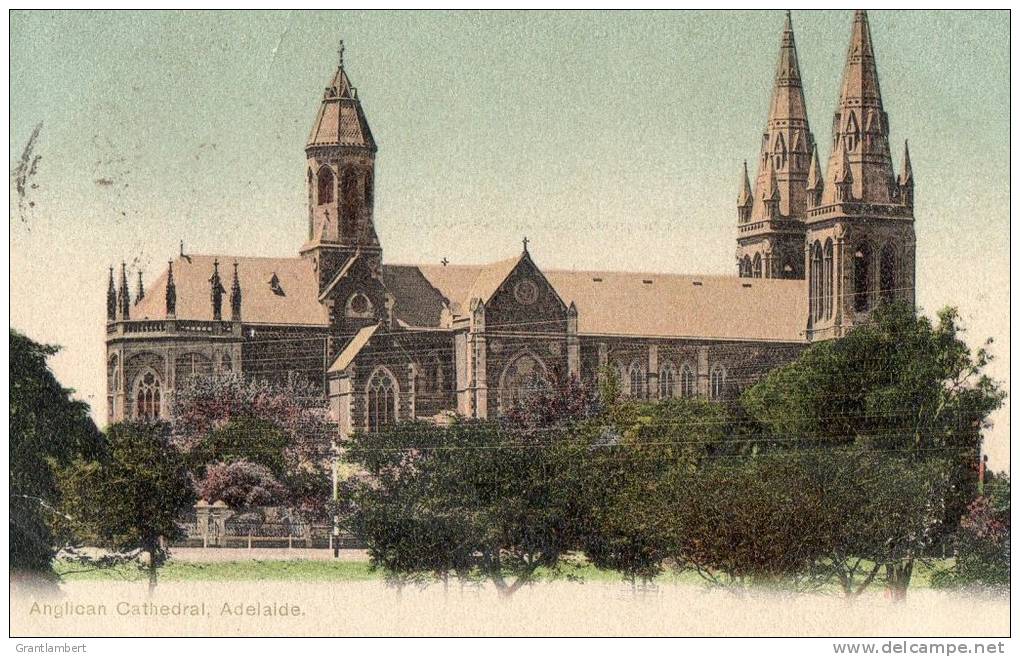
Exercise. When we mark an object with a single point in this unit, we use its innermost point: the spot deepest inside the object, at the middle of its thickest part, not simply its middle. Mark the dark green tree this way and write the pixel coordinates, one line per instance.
(471, 498)
(47, 428)
(129, 500)
(638, 454)
(900, 384)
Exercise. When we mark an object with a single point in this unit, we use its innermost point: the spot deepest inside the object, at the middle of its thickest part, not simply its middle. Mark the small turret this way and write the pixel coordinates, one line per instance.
(746, 199)
(842, 176)
(770, 193)
(124, 295)
(216, 292)
(815, 182)
(906, 179)
(235, 298)
(171, 293)
(111, 299)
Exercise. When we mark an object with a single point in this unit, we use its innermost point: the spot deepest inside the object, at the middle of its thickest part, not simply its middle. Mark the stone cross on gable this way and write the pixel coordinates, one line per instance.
(525, 242)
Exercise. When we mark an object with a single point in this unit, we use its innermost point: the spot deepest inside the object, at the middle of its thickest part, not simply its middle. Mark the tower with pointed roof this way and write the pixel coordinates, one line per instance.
(341, 168)
(771, 222)
(342, 240)
(859, 249)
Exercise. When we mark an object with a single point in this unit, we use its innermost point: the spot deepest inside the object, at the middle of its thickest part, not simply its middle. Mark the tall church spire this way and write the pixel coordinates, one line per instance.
(787, 140)
(860, 125)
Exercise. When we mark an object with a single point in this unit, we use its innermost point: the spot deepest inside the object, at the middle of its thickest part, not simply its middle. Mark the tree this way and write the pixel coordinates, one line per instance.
(242, 485)
(130, 500)
(982, 543)
(469, 498)
(638, 452)
(222, 420)
(900, 384)
(750, 519)
(47, 428)
(887, 511)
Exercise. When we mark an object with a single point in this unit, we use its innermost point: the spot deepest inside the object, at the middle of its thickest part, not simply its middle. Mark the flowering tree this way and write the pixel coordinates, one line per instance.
(254, 440)
(241, 484)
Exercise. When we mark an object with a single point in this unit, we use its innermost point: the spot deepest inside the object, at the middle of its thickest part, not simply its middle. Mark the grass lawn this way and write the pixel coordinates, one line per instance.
(307, 570)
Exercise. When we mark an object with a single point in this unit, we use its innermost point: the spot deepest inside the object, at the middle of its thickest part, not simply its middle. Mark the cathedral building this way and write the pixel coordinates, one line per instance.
(388, 342)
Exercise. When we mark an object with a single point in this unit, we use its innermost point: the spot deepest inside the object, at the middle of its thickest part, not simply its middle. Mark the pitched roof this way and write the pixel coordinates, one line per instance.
(353, 348)
(608, 303)
(673, 305)
(623, 303)
(294, 301)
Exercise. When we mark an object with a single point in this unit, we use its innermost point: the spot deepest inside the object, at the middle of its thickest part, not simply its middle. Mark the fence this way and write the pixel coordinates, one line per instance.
(217, 525)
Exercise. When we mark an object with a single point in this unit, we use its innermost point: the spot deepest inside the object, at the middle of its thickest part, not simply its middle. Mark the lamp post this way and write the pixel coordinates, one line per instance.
(335, 536)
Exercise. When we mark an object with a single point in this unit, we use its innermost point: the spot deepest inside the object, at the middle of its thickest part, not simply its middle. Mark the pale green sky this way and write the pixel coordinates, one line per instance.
(612, 140)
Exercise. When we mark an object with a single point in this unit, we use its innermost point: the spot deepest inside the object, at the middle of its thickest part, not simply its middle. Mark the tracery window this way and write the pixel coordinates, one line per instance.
(636, 381)
(667, 381)
(887, 273)
(147, 396)
(522, 378)
(862, 266)
(757, 265)
(717, 382)
(382, 400)
(827, 279)
(688, 382)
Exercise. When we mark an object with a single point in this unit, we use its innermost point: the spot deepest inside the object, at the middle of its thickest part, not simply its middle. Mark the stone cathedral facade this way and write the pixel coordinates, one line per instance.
(816, 251)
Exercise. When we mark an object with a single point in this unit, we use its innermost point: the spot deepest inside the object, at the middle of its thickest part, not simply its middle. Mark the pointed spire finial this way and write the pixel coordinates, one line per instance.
(171, 292)
(235, 297)
(141, 288)
(216, 291)
(340, 54)
(788, 26)
(111, 299)
(745, 196)
(908, 170)
(814, 179)
(124, 295)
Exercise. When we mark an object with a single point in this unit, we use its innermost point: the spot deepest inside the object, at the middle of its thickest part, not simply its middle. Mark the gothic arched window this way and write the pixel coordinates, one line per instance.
(887, 273)
(369, 191)
(523, 377)
(827, 279)
(757, 266)
(325, 187)
(147, 396)
(717, 382)
(114, 386)
(745, 266)
(862, 276)
(636, 380)
(382, 400)
(688, 382)
(817, 278)
(667, 381)
(351, 200)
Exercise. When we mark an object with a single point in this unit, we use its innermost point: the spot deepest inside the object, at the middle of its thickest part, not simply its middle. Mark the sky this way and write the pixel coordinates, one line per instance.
(611, 140)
